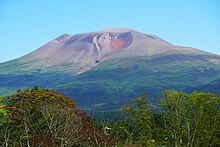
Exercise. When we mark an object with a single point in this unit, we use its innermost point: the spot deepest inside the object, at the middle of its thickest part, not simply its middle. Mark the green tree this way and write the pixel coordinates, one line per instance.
(174, 112)
(203, 119)
(3, 112)
(139, 117)
(190, 119)
(3, 115)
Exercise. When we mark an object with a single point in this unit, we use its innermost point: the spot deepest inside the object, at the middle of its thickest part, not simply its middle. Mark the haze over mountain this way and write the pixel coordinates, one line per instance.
(108, 67)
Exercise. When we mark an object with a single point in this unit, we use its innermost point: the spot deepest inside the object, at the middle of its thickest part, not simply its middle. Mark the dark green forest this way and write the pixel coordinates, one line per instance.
(46, 118)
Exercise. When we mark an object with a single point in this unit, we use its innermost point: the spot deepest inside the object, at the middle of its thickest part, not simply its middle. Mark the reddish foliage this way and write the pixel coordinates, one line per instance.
(27, 104)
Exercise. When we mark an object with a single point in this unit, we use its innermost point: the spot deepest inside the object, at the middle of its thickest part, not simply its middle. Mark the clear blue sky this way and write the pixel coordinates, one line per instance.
(25, 25)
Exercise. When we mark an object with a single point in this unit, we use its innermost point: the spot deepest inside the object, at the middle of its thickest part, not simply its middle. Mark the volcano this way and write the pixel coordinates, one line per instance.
(104, 69)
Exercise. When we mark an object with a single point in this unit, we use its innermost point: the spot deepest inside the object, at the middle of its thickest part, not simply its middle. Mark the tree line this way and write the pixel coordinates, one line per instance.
(42, 117)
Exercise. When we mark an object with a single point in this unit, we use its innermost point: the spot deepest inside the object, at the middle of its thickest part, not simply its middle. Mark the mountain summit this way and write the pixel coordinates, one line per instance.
(110, 66)
(79, 53)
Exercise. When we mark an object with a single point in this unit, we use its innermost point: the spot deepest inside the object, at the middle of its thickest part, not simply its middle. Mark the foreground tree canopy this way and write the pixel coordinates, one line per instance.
(191, 119)
(41, 117)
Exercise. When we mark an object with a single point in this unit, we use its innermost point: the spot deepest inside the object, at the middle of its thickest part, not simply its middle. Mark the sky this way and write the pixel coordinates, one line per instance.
(26, 25)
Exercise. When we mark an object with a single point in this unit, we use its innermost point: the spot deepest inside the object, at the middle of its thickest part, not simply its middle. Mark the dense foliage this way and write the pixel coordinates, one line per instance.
(191, 119)
(42, 117)
(181, 119)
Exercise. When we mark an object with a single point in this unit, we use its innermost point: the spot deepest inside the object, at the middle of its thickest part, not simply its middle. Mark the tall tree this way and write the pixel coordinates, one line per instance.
(174, 112)
(42, 117)
(203, 127)
(190, 119)
(139, 116)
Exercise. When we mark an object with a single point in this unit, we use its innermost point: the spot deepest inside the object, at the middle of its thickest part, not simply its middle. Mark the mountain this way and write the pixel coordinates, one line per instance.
(108, 67)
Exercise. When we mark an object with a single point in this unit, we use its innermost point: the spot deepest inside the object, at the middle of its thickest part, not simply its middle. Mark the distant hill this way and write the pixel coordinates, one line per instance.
(213, 87)
(108, 67)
